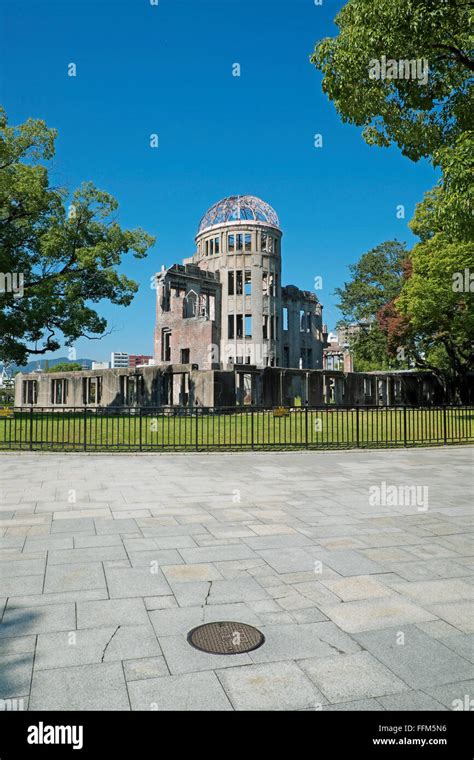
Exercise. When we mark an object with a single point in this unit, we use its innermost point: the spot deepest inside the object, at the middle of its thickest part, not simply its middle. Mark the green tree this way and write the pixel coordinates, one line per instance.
(377, 279)
(63, 250)
(436, 310)
(423, 313)
(419, 117)
(447, 208)
(65, 367)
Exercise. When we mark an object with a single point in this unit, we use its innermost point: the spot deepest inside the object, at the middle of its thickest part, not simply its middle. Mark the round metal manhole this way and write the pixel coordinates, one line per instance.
(225, 638)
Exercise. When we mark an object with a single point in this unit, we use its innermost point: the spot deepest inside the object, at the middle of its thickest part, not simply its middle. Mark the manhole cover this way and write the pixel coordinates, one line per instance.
(225, 638)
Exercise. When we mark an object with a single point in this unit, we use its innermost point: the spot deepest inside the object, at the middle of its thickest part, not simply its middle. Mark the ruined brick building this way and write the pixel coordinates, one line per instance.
(226, 306)
(228, 333)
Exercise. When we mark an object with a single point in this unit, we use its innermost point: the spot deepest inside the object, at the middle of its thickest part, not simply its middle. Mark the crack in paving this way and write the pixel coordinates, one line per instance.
(106, 646)
(205, 600)
(333, 646)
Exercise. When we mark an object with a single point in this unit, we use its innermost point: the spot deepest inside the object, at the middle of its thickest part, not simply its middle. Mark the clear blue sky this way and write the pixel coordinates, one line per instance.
(167, 69)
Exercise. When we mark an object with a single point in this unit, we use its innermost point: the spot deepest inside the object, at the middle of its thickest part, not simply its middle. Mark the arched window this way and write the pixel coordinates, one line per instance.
(190, 304)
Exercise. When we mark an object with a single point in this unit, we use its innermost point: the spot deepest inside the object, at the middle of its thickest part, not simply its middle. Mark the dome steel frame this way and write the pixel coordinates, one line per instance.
(239, 208)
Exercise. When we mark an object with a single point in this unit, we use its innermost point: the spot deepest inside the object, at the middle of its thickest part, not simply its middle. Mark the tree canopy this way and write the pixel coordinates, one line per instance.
(376, 279)
(419, 117)
(62, 250)
(65, 367)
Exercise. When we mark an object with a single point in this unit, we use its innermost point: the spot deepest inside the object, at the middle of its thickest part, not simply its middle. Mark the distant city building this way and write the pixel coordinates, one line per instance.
(100, 365)
(336, 353)
(118, 360)
(139, 360)
(6, 379)
(346, 332)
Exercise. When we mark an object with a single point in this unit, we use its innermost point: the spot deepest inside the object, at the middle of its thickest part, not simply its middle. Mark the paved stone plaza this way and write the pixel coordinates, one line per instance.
(107, 562)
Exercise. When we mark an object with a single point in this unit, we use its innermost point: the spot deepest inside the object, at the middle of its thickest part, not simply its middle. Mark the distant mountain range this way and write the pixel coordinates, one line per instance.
(31, 366)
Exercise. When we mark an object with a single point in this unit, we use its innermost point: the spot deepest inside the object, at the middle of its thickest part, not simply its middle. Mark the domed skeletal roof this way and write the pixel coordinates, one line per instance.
(239, 208)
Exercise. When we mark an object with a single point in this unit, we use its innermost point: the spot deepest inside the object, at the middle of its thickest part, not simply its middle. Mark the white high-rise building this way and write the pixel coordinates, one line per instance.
(118, 359)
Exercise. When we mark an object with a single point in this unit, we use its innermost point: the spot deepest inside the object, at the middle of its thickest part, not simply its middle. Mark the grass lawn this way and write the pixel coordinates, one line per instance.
(327, 427)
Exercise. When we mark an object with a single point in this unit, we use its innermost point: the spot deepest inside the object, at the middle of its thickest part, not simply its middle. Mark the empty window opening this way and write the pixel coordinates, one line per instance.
(185, 354)
(248, 283)
(59, 390)
(267, 243)
(248, 241)
(302, 321)
(230, 326)
(248, 325)
(212, 307)
(203, 310)
(239, 242)
(265, 327)
(166, 345)
(165, 298)
(30, 391)
(239, 283)
(230, 283)
(190, 305)
(91, 390)
(239, 326)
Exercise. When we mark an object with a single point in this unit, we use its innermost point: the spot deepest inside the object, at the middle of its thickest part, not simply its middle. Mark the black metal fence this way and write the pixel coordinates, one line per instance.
(206, 428)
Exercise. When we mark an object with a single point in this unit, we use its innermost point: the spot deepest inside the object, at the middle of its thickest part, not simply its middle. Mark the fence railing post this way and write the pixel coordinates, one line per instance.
(404, 426)
(306, 426)
(251, 424)
(357, 427)
(140, 428)
(85, 429)
(31, 428)
(197, 427)
(445, 431)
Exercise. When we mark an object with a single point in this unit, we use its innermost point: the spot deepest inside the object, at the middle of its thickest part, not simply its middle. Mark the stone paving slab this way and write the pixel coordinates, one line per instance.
(95, 645)
(87, 687)
(375, 613)
(417, 658)
(198, 691)
(271, 686)
(86, 576)
(97, 597)
(146, 667)
(16, 670)
(21, 621)
(352, 676)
